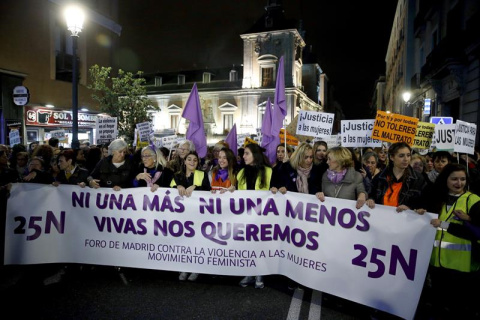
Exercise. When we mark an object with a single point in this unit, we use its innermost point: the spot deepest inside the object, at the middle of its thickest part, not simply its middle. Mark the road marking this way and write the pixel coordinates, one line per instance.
(295, 305)
(315, 306)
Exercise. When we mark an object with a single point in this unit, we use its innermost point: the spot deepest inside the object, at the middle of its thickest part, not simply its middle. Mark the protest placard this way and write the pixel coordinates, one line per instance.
(143, 130)
(315, 124)
(424, 135)
(443, 137)
(106, 128)
(291, 140)
(391, 127)
(465, 134)
(358, 133)
(332, 141)
(14, 136)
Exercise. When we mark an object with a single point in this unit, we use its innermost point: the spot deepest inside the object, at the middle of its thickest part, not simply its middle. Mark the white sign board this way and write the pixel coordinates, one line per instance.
(332, 141)
(358, 133)
(20, 95)
(59, 134)
(315, 124)
(443, 137)
(144, 129)
(169, 141)
(106, 128)
(14, 137)
(465, 133)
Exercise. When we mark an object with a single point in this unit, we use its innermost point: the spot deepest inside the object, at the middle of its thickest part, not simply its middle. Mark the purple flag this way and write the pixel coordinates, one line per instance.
(280, 102)
(269, 141)
(196, 131)
(232, 139)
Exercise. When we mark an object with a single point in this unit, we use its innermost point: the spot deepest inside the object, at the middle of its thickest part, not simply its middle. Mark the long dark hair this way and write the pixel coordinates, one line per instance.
(391, 153)
(260, 161)
(440, 184)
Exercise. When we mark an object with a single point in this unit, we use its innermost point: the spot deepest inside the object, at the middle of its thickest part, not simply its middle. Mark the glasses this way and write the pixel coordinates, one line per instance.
(147, 156)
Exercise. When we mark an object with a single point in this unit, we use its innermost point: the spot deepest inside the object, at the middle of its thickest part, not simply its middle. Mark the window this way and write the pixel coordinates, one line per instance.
(63, 53)
(207, 77)
(227, 122)
(174, 120)
(267, 77)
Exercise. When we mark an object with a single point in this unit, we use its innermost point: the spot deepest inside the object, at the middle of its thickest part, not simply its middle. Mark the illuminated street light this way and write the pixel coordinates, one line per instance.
(406, 96)
(74, 16)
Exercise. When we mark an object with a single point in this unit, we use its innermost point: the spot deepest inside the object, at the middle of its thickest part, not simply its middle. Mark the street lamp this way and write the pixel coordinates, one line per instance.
(74, 16)
(406, 97)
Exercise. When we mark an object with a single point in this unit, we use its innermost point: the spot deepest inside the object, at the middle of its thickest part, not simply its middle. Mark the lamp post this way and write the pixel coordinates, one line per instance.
(74, 16)
(406, 97)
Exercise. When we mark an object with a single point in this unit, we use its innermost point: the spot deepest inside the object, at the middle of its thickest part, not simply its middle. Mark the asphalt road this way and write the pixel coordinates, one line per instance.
(100, 292)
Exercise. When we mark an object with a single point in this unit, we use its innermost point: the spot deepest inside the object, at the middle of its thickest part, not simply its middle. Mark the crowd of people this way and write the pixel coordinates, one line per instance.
(439, 182)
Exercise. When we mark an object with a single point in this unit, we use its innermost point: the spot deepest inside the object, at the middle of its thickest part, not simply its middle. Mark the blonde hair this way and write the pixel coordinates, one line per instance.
(342, 155)
(298, 155)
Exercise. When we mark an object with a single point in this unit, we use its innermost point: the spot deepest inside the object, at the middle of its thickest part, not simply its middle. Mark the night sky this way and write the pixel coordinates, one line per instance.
(349, 38)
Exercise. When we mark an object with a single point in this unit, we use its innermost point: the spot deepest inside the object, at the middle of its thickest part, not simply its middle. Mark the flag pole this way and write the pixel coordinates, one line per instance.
(285, 135)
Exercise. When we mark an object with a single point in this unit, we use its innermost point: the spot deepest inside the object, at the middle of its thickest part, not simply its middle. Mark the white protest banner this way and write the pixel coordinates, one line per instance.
(144, 129)
(14, 137)
(59, 134)
(169, 141)
(358, 133)
(315, 124)
(106, 128)
(370, 256)
(444, 136)
(241, 138)
(465, 133)
(332, 141)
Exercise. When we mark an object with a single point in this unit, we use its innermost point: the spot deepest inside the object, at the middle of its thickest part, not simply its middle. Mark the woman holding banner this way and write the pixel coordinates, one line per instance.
(186, 180)
(341, 180)
(256, 175)
(223, 176)
(455, 263)
(114, 171)
(152, 172)
(398, 185)
(299, 174)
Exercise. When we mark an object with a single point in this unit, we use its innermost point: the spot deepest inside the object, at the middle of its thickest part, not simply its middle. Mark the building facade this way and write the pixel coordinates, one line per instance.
(37, 53)
(238, 95)
(434, 54)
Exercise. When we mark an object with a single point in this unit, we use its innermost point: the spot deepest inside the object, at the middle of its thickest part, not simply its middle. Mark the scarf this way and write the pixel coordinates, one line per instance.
(302, 179)
(154, 179)
(336, 177)
(222, 174)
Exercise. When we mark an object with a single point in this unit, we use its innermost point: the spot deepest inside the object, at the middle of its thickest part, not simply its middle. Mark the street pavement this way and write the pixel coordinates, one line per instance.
(103, 292)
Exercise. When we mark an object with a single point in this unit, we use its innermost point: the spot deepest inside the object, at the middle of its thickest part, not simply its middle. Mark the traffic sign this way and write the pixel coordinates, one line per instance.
(20, 95)
(441, 120)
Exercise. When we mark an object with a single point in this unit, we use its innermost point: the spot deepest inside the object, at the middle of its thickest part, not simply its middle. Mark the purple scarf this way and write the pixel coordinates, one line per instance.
(222, 174)
(336, 177)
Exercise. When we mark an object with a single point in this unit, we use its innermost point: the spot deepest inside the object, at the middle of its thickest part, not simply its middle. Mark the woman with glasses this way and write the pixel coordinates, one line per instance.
(114, 171)
(37, 173)
(152, 172)
(341, 180)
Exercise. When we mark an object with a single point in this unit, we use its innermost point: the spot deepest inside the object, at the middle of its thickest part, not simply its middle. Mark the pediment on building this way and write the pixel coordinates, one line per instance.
(227, 107)
(173, 108)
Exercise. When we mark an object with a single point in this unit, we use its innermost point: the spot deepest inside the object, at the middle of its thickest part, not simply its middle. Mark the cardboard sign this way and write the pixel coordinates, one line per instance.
(358, 133)
(106, 128)
(291, 140)
(144, 130)
(315, 124)
(332, 141)
(391, 127)
(424, 136)
(443, 137)
(465, 133)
